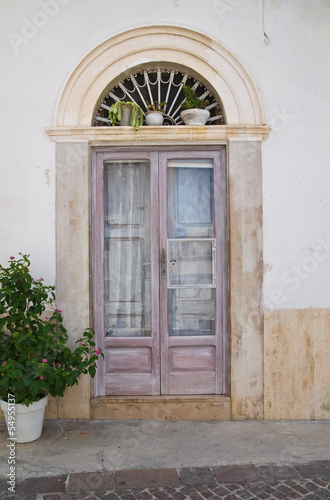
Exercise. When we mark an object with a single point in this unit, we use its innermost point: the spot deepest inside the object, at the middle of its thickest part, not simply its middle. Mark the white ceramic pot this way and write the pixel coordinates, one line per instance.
(195, 116)
(154, 118)
(28, 419)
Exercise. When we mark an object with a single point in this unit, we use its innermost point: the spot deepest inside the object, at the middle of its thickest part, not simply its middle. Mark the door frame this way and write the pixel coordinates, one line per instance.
(99, 155)
(245, 276)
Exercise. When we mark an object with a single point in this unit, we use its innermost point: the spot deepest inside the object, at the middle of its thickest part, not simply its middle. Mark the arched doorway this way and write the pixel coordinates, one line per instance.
(241, 136)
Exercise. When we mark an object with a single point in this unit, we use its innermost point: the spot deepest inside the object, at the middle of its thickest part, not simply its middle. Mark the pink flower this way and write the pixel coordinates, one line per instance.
(80, 343)
(58, 310)
(97, 352)
(41, 377)
(59, 364)
(44, 360)
(46, 317)
(4, 363)
(41, 279)
(12, 258)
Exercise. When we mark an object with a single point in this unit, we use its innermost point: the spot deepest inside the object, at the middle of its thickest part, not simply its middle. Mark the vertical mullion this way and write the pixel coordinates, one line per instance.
(155, 271)
(163, 233)
(224, 269)
(98, 270)
(220, 233)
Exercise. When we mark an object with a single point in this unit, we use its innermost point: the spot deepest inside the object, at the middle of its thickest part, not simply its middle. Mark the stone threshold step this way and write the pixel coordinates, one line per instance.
(162, 407)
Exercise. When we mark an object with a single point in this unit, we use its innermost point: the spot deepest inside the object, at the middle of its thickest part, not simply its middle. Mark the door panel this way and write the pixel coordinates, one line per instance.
(159, 281)
(195, 358)
(192, 291)
(129, 360)
(126, 298)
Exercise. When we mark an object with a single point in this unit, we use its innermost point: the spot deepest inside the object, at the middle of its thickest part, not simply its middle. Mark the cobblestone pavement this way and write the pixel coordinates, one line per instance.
(309, 481)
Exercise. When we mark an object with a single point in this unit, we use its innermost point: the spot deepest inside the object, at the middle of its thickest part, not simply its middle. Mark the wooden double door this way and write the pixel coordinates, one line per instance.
(159, 270)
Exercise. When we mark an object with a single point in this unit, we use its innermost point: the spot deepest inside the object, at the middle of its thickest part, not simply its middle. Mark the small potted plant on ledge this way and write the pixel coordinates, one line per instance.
(126, 113)
(194, 112)
(35, 359)
(155, 113)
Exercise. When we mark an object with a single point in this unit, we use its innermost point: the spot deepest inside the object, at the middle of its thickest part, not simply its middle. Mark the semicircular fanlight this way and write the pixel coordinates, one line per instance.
(159, 84)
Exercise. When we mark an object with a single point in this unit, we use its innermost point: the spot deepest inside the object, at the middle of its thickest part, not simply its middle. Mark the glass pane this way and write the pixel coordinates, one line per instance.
(190, 198)
(192, 311)
(127, 248)
(190, 263)
(191, 251)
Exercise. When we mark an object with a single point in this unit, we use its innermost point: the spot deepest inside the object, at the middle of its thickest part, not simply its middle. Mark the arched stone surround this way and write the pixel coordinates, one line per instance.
(180, 46)
(242, 136)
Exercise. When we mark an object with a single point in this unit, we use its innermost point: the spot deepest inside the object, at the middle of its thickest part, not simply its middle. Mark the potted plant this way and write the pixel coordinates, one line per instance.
(35, 359)
(126, 113)
(194, 112)
(155, 113)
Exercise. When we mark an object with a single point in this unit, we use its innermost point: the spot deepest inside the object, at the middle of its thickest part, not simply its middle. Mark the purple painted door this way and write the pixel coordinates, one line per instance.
(159, 260)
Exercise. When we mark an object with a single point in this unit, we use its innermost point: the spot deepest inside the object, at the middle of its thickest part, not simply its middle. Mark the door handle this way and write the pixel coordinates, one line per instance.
(163, 260)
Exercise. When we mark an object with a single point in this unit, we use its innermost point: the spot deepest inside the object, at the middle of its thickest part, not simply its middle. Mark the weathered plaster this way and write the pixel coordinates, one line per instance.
(297, 369)
(245, 279)
(72, 259)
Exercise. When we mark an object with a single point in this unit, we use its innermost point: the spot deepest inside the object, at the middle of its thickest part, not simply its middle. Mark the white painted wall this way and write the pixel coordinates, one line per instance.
(285, 44)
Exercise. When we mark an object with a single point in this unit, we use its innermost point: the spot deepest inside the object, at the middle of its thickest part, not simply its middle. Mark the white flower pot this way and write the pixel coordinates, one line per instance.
(154, 118)
(195, 116)
(28, 422)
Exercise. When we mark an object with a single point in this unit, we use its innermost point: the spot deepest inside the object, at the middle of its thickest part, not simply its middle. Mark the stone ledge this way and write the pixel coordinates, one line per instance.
(179, 134)
(161, 407)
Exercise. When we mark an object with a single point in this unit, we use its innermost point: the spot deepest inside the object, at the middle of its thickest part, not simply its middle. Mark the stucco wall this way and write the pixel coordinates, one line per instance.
(285, 47)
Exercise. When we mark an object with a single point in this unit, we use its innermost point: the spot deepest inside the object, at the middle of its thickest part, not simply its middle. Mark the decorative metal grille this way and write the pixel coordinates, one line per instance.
(160, 85)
